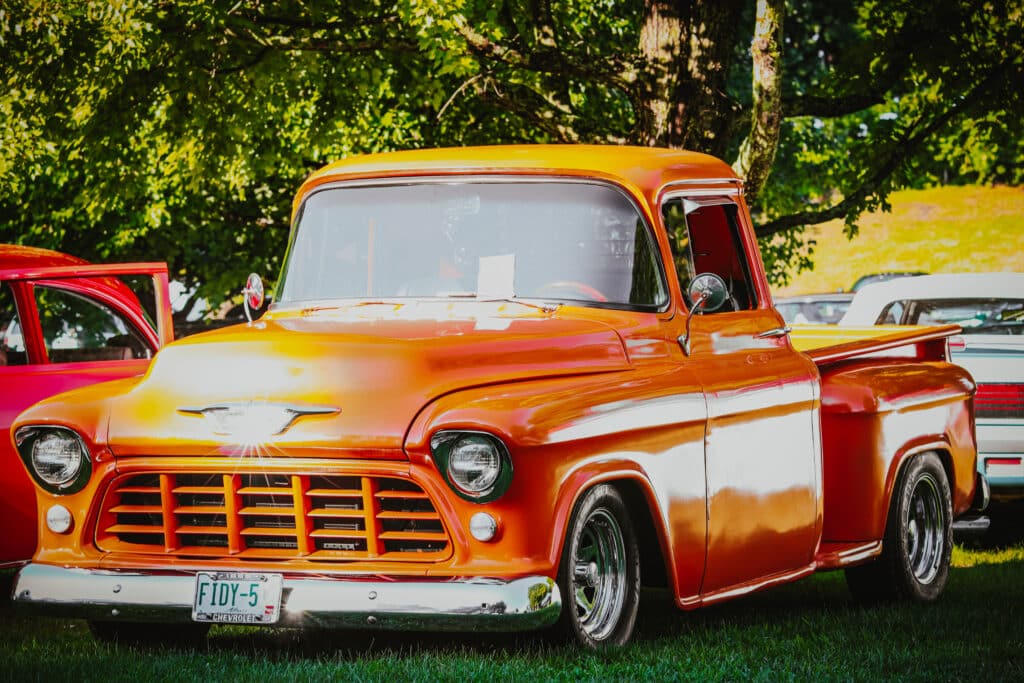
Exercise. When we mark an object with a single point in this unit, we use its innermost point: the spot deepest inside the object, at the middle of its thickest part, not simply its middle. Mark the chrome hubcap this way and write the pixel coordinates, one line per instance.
(599, 575)
(926, 538)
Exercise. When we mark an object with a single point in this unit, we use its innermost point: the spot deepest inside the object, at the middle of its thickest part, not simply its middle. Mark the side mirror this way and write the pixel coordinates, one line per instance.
(706, 293)
(252, 295)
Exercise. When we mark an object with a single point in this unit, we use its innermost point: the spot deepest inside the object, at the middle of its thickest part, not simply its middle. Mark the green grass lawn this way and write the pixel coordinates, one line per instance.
(941, 230)
(807, 631)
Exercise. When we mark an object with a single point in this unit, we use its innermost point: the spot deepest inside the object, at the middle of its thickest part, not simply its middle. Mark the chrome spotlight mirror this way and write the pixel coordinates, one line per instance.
(706, 293)
(252, 295)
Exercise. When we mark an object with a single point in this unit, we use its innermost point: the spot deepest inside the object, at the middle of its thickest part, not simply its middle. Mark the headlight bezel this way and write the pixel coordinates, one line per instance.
(26, 438)
(443, 442)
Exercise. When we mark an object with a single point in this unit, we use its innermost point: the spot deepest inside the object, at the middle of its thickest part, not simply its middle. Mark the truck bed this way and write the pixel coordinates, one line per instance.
(828, 344)
(877, 411)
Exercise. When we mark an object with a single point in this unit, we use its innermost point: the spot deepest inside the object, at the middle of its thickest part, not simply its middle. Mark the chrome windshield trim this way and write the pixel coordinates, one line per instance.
(737, 182)
(512, 176)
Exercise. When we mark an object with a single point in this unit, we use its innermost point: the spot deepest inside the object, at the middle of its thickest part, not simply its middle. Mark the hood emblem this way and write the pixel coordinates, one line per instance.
(255, 419)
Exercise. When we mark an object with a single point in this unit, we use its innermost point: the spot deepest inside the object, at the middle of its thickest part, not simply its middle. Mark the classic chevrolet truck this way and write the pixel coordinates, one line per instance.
(501, 388)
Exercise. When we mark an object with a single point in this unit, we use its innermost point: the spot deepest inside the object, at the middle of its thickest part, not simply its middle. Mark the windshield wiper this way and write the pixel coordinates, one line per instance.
(311, 310)
(545, 307)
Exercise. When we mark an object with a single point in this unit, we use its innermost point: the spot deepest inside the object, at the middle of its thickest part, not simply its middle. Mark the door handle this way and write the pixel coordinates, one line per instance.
(777, 332)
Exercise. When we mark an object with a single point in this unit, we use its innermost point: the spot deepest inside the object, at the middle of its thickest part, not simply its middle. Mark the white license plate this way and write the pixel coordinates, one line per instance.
(237, 598)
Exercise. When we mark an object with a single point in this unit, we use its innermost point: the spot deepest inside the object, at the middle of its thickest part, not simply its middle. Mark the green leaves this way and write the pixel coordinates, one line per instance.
(179, 131)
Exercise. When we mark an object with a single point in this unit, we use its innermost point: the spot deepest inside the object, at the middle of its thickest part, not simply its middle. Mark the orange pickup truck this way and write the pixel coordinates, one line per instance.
(501, 389)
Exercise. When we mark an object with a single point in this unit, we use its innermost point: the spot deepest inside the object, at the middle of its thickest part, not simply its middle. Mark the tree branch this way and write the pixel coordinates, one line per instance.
(461, 88)
(912, 139)
(302, 23)
(537, 110)
(549, 60)
(829, 107)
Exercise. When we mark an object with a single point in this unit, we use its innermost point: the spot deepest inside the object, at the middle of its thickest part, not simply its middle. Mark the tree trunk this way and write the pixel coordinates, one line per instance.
(757, 153)
(688, 47)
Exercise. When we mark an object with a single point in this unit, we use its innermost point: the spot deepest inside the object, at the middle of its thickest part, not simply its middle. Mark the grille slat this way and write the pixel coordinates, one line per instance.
(411, 536)
(338, 533)
(408, 515)
(133, 529)
(402, 494)
(144, 509)
(199, 490)
(262, 491)
(337, 512)
(263, 510)
(140, 489)
(199, 510)
(211, 530)
(272, 516)
(268, 531)
(334, 493)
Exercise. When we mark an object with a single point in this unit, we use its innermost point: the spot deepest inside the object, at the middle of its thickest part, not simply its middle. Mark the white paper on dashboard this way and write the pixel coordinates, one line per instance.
(496, 277)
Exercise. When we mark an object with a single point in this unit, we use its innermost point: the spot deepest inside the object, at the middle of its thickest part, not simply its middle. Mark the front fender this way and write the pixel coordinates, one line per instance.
(645, 427)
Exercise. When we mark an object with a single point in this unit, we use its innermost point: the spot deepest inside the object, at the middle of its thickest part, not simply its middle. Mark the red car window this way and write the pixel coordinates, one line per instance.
(79, 329)
(12, 344)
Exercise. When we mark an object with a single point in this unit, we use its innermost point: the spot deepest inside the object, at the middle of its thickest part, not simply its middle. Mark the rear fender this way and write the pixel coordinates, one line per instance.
(876, 415)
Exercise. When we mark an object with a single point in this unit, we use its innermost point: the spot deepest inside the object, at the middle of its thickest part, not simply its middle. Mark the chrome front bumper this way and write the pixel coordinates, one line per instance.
(443, 604)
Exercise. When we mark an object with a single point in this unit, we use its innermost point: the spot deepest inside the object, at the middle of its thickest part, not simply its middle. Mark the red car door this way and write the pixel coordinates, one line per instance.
(64, 327)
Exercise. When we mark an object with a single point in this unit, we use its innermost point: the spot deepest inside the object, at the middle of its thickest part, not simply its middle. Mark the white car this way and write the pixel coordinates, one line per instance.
(990, 309)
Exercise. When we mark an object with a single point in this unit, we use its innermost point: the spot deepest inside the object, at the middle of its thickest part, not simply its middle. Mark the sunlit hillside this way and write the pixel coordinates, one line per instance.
(942, 230)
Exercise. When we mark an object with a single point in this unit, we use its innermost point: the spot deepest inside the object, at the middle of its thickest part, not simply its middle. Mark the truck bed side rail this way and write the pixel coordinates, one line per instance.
(827, 344)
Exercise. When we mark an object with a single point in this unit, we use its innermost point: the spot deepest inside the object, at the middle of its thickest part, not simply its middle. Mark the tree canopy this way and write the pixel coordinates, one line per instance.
(147, 129)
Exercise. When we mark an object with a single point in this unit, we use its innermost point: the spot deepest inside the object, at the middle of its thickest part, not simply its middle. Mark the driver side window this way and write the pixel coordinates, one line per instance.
(705, 238)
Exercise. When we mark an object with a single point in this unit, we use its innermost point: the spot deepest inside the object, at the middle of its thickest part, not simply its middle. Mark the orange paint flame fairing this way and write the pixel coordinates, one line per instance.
(317, 441)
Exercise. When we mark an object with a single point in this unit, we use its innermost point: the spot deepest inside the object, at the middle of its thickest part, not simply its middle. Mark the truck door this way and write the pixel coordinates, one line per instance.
(762, 444)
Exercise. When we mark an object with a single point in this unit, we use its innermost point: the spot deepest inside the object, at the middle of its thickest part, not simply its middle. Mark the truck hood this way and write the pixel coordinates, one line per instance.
(311, 384)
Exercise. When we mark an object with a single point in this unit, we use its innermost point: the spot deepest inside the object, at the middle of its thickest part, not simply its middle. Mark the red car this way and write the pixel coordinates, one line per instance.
(64, 323)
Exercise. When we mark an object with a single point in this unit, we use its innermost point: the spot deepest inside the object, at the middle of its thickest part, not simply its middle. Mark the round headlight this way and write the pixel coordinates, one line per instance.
(57, 457)
(474, 463)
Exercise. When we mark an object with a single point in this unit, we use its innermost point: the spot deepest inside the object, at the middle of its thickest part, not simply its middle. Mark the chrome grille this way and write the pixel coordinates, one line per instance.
(271, 516)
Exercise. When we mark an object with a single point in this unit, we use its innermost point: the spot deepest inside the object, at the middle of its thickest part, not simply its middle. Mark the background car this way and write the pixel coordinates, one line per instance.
(64, 324)
(818, 309)
(873, 278)
(990, 309)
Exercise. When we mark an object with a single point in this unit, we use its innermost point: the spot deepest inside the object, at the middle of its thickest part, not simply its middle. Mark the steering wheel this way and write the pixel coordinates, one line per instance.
(579, 289)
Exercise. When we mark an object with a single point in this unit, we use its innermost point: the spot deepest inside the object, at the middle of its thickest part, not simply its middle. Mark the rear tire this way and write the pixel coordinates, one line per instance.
(918, 542)
(599, 574)
(148, 635)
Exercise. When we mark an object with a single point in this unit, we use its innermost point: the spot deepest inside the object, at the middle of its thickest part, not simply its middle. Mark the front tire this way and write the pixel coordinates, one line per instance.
(599, 574)
(918, 542)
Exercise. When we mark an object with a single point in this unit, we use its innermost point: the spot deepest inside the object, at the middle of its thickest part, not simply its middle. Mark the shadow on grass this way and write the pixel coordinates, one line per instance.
(792, 623)
(1006, 527)
(820, 604)
(6, 583)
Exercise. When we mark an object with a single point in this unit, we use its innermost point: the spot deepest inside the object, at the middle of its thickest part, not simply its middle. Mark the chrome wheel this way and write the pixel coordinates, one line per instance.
(918, 542)
(925, 530)
(599, 575)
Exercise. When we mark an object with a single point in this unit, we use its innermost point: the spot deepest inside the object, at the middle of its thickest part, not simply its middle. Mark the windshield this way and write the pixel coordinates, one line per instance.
(553, 240)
